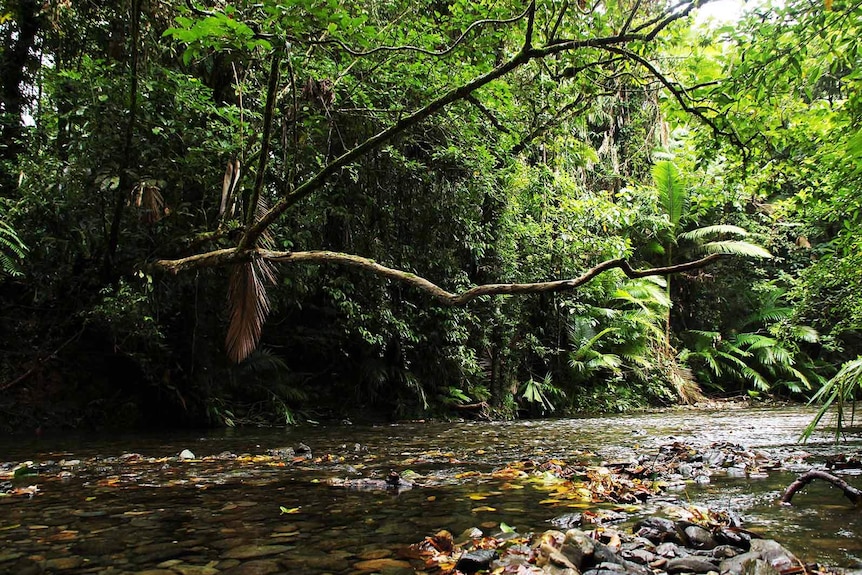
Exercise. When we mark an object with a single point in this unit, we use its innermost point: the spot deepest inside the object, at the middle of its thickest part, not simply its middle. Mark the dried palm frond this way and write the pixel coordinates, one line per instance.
(686, 387)
(228, 188)
(249, 306)
(147, 197)
(265, 239)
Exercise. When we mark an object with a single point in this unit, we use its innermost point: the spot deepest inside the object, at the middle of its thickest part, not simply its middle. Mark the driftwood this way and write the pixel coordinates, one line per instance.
(853, 494)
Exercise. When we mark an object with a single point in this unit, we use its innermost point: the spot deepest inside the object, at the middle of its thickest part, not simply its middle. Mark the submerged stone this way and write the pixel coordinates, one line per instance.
(251, 551)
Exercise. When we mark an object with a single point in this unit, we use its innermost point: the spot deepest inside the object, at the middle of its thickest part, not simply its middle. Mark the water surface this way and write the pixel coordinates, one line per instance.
(111, 513)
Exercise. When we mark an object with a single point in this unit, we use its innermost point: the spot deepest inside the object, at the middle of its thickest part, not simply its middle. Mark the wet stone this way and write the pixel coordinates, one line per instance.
(736, 565)
(759, 567)
(195, 570)
(64, 563)
(375, 554)
(577, 546)
(725, 552)
(473, 561)
(670, 550)
(384, 564)
(727, 536)
(156, 552)
(641, 556)
(315, 562)
(252, 551)
(699, 538)
(774, 554)
(255, 567)
(690, 565)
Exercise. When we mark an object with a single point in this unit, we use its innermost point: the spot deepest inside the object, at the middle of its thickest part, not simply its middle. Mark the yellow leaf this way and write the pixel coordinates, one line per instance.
(291, 510)
(827, 4)
(477, 496)
(482, 508)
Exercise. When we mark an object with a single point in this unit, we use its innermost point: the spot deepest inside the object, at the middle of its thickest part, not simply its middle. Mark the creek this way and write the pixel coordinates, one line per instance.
(128, 504)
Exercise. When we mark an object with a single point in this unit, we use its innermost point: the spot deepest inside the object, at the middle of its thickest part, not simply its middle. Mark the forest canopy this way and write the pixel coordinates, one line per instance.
(249, 213)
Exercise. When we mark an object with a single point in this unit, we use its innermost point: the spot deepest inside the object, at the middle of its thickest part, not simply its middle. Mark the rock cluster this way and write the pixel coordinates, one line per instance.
(656, 547)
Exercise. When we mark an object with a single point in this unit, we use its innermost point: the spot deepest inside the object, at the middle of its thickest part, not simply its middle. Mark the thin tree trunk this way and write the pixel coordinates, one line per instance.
(128, 151)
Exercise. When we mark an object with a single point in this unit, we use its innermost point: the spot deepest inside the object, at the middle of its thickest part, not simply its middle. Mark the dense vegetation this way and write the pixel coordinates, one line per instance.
(247, 213)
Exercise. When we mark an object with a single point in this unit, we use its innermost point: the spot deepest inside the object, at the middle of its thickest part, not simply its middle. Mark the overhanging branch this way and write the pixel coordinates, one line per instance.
(443, 296)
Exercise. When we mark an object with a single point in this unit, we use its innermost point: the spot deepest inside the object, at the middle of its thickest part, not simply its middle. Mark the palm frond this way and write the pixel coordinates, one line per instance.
(805, 333)
(735, 248)
(706, 232)
(672, 194)
(249, 306)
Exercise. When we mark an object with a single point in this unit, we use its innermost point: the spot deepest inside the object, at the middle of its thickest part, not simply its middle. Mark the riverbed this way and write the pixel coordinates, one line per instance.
(266, 501)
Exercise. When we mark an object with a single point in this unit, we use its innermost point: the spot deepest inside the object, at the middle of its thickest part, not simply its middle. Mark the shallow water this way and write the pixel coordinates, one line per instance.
(113, 514)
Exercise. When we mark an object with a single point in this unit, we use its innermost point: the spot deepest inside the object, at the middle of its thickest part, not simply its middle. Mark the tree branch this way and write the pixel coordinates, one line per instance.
(222, 257)
(488, 114)
(853, 494)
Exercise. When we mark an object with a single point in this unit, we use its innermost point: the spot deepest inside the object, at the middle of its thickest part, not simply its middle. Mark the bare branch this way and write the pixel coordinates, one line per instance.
(444, 297)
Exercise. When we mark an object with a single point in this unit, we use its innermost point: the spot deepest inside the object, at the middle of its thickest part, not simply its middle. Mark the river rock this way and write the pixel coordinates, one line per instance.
(325, 562)
(699, 538)
(383, 564)
(577, 546)
(64, 563)
(251, 551)
(774, 554)
(723, 552)
(186, 454)
(195, 570)
(567, 521)
(736, 538)
(640, 556)
(670, 550)
(475, 560)
(690, 565)
(255, 567)
(657, 530)
(735, 565)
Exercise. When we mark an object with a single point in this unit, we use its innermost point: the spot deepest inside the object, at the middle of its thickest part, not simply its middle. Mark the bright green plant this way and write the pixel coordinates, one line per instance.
(841, 390)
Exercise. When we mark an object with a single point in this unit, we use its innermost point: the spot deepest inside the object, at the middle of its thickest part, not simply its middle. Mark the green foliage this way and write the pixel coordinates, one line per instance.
(842, 389)
(12, 249)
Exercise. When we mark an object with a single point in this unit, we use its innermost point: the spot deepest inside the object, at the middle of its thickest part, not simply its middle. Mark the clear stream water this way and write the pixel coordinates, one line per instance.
(99, 510)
